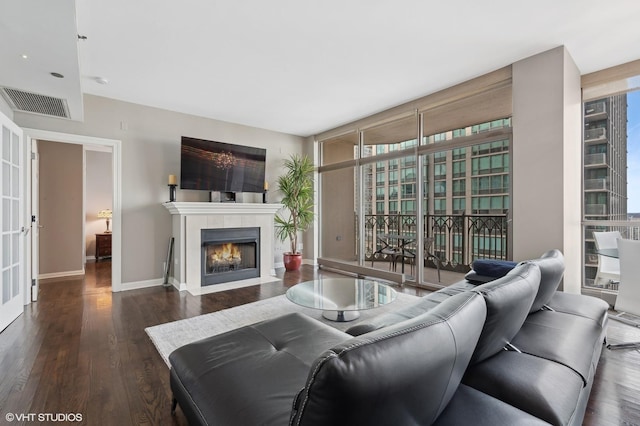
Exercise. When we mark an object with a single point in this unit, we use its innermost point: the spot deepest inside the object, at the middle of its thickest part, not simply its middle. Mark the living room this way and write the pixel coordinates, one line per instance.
(544, 83)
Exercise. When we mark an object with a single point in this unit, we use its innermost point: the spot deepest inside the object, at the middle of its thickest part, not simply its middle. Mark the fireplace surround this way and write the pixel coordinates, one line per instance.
(188, 219)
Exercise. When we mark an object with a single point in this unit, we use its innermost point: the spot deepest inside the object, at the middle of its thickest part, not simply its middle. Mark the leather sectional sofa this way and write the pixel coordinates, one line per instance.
(510, 351)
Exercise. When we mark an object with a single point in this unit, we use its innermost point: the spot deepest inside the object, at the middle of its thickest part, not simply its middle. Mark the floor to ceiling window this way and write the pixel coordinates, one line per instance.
(423, 185)
(374, 197)
(611, 179)
(467, 216)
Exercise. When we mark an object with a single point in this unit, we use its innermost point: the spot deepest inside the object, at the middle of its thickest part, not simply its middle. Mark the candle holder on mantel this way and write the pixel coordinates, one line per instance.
(264, 192)
(173, 182)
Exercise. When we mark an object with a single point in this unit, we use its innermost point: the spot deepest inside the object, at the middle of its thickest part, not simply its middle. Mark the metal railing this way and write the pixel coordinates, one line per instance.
(599, 159)
(595, 134)
(595, 108)
(457, 239)
(599, 184)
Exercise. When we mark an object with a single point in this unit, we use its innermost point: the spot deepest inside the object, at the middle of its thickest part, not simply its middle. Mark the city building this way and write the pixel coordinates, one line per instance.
(605, 174)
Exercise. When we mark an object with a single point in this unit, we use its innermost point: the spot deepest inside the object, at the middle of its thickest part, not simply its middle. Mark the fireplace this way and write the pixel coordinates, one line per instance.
(230, 254)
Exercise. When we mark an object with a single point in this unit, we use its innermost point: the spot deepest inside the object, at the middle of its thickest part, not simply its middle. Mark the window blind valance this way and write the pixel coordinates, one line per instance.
(481, 99)
(611, 81)
(490, 104)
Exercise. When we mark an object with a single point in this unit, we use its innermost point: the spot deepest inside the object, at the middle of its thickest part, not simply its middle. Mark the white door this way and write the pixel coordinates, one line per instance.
(11, 220)
(35, 219)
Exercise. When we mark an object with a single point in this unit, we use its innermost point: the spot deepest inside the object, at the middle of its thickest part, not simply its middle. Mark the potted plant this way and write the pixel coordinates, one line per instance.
(296, 186)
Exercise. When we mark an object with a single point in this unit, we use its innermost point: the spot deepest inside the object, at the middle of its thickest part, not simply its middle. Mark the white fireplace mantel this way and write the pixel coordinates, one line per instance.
(189, 218)
(205, 208)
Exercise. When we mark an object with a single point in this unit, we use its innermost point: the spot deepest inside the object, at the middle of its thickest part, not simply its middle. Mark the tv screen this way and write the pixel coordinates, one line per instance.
(218, 166)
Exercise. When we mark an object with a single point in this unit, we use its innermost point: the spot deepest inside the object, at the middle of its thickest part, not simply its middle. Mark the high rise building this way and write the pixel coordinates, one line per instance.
(471, 180)
(605, 171)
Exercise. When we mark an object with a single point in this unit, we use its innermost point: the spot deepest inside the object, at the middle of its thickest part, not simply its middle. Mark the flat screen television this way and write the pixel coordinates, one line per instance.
(218, 166)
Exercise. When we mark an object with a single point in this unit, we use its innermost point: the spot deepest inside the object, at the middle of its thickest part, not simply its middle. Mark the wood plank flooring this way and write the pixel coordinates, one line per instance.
(82, 349)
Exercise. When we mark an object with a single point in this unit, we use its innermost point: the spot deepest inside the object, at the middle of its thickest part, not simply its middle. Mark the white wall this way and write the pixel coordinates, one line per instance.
(546, 160)
(150, 152)
(98, 195)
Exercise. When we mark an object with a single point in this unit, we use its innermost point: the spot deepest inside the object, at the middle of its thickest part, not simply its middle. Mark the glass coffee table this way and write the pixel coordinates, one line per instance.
(341, 298)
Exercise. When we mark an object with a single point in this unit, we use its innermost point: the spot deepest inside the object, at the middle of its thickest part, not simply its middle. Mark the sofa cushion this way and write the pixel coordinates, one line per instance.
(551, 266)
(585, 306)
(542, 388)
(567, 339)
(402, 374)
(249, 375)
(472, 407)
(508, 302)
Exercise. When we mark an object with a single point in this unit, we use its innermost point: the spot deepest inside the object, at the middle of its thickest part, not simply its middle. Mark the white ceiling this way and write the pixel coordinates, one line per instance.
(295, 66)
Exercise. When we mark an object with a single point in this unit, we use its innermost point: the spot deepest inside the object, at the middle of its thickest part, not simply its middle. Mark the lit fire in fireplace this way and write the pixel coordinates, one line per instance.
(225, 252)
(223, 257)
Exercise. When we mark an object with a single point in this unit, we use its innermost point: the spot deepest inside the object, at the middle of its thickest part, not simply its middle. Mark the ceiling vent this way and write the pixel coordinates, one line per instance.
(38, 104)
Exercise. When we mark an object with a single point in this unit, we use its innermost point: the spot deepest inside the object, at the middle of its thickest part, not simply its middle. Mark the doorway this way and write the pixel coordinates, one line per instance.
(98, 212)
(74, 192)
(32, 135)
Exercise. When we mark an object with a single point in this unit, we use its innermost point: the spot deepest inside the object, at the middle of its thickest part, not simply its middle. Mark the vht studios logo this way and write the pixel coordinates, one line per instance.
(43, 417)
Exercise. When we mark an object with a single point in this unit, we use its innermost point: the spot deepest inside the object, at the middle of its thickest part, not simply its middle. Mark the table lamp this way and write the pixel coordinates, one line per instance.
(105, 214)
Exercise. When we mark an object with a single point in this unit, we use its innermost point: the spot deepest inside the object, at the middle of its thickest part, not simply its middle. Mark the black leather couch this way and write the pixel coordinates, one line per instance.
(511, 351)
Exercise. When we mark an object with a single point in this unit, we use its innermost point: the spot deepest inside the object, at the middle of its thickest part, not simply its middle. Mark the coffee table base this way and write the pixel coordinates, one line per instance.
(341, 316)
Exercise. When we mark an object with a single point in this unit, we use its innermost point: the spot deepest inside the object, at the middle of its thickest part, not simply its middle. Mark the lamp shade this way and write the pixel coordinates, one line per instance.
(105, 214)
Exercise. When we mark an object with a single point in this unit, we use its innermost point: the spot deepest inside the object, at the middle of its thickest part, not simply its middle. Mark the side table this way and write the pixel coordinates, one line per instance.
(103, 245)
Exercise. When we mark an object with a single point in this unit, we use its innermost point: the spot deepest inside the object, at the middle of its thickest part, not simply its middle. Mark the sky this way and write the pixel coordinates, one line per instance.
(633, 152)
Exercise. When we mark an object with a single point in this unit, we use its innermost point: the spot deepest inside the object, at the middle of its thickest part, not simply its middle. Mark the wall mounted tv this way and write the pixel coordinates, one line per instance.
(218, 166)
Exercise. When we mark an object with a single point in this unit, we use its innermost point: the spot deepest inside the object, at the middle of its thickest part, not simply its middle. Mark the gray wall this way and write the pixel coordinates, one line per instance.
(150, 152)
(98, 195)
(60, 200)
(547, 150)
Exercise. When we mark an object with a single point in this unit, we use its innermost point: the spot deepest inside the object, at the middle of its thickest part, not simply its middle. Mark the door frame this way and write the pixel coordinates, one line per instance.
(116, 223)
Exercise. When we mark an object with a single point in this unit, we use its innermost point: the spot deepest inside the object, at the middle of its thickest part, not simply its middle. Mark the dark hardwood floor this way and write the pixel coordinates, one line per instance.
(82, 349)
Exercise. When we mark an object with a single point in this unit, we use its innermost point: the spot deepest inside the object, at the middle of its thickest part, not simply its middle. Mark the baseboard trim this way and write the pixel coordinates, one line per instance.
(312, 262)
(135, 285)
(61, 274)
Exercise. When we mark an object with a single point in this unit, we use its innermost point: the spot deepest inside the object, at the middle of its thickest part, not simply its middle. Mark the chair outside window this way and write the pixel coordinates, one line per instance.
(387, 250)
(628, 299)
(608, 267)
(428, 244)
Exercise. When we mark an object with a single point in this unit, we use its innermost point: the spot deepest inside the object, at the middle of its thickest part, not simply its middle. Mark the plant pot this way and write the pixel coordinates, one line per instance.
(292, 261)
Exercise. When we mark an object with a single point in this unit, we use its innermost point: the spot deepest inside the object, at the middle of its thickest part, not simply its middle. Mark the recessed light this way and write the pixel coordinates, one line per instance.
(24, 56)
(57, 75)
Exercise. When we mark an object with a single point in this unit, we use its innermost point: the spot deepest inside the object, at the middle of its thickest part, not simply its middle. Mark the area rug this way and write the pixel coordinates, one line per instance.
(170, 336)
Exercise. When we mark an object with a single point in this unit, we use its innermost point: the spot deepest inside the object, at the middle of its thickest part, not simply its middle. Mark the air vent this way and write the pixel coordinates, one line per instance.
(35, 103)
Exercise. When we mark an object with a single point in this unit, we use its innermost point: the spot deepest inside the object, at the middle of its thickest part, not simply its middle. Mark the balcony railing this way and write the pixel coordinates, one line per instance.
(596, 111)
(457, 239)
(595, 159)
(595, 209)
(595, 134)
(599, 184)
